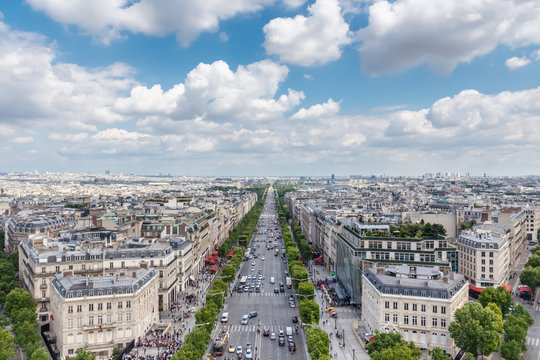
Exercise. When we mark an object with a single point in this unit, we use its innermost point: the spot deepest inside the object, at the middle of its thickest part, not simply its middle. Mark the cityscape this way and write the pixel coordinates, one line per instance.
(270, 180)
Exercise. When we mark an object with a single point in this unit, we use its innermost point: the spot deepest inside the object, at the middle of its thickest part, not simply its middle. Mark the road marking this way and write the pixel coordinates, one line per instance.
(533, 341)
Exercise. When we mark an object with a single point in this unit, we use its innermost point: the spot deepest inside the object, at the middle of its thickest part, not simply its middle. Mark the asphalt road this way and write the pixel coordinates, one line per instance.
(273, 309)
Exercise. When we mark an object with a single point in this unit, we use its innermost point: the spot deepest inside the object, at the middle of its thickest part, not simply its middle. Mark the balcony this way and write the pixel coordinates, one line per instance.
(43, 286)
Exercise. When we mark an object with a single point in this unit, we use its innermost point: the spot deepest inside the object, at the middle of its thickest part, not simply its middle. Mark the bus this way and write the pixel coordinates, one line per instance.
(243, 280)
(220, 343)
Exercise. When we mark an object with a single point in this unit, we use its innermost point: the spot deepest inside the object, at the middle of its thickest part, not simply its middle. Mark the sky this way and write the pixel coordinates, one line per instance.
(270, 87)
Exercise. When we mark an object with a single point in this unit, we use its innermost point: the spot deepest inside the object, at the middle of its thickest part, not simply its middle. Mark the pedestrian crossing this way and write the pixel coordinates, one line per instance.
(533, 341)
(253, 328)
(259, 294)
(537, 308)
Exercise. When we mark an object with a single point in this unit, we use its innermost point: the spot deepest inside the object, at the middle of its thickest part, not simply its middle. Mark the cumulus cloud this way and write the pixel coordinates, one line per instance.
(329, 108)
(108, 20)
(23, 140)
(313, 40)
(516, 62)
(216, 92)
(35, 89)
(440, 34)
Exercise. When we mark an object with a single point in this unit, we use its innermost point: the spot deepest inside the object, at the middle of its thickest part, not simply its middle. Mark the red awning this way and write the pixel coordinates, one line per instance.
(474, 288)
(525, 288)
(319, 259)
(507, 287)
(230, 254)
(212, 259)
(214, 253)
(214, 268)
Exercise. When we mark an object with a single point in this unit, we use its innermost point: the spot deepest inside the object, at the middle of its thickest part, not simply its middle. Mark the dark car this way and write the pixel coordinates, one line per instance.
(276, 290)
(292, 347)
(281, 289)
(295, 319)
(252, 314)
(282, 341)
(266, 331)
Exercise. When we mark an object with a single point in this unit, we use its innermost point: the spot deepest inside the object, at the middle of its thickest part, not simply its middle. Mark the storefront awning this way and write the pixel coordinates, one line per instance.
(214, 268)
(214, 253)
(230, 254)
(474, 288)
(507, 287)
(319, 259)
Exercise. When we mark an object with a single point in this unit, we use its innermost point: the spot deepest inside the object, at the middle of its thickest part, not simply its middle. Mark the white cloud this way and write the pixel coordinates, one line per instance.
(440, 34)
(214, 91)
(68, 137)
(223, 36)
(111, 19)
(329, 108)
(23, 140)
(313, 40)
(516, 62)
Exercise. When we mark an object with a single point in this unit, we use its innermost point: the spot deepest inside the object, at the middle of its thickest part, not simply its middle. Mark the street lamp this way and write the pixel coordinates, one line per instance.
(353, 354)
(335, 323)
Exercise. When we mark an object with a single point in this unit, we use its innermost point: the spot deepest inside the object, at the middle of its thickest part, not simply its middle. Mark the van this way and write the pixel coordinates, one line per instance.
(272, 280)
(225, 317)
(288, 331)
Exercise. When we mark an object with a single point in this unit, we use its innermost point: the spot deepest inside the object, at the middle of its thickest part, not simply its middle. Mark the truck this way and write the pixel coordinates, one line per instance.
(288, 282)
(288, 331)
(220, 343)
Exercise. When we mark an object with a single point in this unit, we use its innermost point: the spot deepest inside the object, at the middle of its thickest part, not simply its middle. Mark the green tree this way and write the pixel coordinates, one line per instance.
(512, 350)
(7, 345)
(401, 351)
(40, 354)
(306, 289)
(228, 273)
(530, 276)
(495, 309)
(476, 329)
(309, 311)
(27, 335)
(18, 299)
(437, 353)
(298, 274)
(383, 340)
(515, 329)
(24, 314)
(292, 253)
(521, 312)
(83, 354)
(499, 296)
(533, 261)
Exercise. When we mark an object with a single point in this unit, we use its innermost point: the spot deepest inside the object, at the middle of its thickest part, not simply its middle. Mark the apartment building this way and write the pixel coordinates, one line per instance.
(418, 302)
(532, 222)
(101, 313)
(484, 256)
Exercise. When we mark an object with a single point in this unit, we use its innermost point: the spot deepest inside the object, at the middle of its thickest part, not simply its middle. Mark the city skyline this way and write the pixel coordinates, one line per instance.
(270, 88)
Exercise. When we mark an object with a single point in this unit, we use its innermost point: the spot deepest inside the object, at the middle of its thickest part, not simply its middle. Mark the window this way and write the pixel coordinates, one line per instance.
(128, 317)
(423, 307)
(70, 267)
(128, 304)
(43, 270)
(100, 306)
(483, 253)
(57, 269)
(120, 317)
(395, 305)
(83, 267)
(123, 264)
(100, 320)
(160, 273)
(483, 261)
(443, 323)
(415, 320)
(70, 323)
(434, 338)
(395, 318)
(43, 281)
(108, 306)
(490, 269)
(79, 321)
(434, 322)
(79, 308)
(491, 254)
(90, 307)
(406, 319)
(119, 304)
(490, 262)
(414, 307)
(387, 304)
(91, 320)
(43, 294)
(434, 309)
(389, 245)
(70, 351)
(109, 318)
(406, 306)
(70, 309)
(111, 265)
(423, 321)
(483, 268)
(443, 309)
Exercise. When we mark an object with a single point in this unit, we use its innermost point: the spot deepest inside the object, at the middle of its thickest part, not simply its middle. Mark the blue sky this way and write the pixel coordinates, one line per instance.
(270, 87)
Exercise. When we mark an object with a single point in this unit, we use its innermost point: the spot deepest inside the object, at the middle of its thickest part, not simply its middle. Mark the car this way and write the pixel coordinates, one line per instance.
(248, 346)
(292, 304)
(281, 284)
(284, 261)
(248, 354)
(262, 258)
(276, 291)
(330, 310)
(290, 338)
(334, 314)
(240, 290)
(252, 314)
(291, 298)
(246, 287)
(232, 348)
(239, 350)
(295, 319)
(272, 336)
(257, 288)
(292, 346)
(266, 331)
(253, 263)
(281, 333)
(282, 341)
(281, 289)
(252, 269)
(244, 320)
(260, 271)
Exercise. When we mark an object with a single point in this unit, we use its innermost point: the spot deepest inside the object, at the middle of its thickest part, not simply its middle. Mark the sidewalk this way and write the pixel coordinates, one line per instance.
(353, 349)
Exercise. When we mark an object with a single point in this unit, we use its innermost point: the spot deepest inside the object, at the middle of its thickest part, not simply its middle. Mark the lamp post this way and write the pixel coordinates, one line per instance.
(335, 322)
(353, 354)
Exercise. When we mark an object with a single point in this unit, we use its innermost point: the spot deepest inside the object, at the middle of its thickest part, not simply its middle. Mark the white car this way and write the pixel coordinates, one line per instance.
(239, 350)
(245, 320)
(248, 354)
(262, 258)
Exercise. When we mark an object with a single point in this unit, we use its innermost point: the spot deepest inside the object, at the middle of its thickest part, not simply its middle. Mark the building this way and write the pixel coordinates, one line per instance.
(103, 312)
(532, 222)
(484, 256)
(418, 302)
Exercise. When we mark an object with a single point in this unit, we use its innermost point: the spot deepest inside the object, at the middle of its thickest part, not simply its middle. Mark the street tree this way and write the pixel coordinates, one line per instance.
(499, 296)
(515, 329)
(7, 345)
(84, 354)
(533, 261)
(18, 299)
(307, 289)
(40, 354)
(437, 353)
(530, 276)
(401, 351)
(476, 329)
(512, 350)
(520, 311)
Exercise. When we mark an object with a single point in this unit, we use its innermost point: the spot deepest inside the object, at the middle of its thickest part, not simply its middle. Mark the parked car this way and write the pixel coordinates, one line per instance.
(295, 319)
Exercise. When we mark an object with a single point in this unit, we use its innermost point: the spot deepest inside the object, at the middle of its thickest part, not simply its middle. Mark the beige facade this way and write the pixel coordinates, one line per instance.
(101, 313)
(484, 255)
(532, 222)
(420, 308)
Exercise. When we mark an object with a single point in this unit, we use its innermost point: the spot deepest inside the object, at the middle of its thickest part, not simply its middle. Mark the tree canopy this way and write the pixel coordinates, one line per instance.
(390, 345)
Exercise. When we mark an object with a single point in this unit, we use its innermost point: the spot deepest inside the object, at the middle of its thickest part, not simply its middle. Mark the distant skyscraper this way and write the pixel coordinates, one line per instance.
(107, 172)
(333, 177)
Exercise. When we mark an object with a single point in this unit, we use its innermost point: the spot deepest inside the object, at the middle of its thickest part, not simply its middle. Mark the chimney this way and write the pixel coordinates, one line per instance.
(144, 266)
(87, 281)
(134, 274)
(115, 278)
(445, 279)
